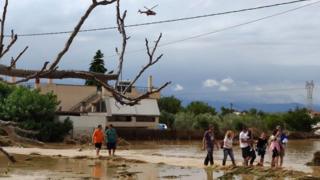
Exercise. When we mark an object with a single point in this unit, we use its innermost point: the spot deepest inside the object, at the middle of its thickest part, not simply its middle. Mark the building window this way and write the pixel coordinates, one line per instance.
(101, 106)
(145, 119)
(123, 85)
(119, 119)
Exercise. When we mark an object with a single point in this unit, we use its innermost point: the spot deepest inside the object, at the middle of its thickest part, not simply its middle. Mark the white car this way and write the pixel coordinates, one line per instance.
(162, 126)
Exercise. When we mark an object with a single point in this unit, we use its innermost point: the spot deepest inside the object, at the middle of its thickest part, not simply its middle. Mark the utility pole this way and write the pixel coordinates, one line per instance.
(309, 88)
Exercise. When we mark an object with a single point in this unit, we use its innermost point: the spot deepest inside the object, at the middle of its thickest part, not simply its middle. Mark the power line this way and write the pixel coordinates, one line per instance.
(226, 28)
(163, 21)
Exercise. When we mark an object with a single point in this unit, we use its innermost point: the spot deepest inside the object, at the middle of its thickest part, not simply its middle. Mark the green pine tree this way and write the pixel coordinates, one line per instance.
(97, 65)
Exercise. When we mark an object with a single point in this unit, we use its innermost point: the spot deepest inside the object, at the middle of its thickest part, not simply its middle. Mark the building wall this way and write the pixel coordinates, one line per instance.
(71, 95)
(68, 95)
(85, 124)
(134, 93)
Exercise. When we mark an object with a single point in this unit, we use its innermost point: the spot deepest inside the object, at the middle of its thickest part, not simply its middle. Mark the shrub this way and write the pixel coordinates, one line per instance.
(299, 120)
(198, 107)
(167, 118)
(33, 111)
(202, 121)
(170, 104)
(184, 121)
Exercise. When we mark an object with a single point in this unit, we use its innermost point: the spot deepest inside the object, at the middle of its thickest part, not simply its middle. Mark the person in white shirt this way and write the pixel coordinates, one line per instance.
(227, 148)
(244, 145)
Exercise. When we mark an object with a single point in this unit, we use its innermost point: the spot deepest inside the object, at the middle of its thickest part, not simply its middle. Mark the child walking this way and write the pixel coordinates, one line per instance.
(275, 149)
(261, 147)
(252, 152)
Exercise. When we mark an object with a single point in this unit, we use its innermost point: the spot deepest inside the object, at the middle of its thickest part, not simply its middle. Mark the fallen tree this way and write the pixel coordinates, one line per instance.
(51, 69)
(11, 129)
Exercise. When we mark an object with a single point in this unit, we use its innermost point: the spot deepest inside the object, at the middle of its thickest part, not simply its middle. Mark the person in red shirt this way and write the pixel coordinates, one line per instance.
(98, 138)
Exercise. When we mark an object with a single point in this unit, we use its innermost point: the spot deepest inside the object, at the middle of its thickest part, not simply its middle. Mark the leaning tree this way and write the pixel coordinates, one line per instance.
(51, 70)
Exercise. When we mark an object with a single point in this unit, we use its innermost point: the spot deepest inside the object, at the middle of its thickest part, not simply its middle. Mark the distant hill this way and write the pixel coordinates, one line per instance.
(275, 107)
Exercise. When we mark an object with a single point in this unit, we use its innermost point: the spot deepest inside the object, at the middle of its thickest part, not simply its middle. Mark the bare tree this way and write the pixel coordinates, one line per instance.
(51, 70)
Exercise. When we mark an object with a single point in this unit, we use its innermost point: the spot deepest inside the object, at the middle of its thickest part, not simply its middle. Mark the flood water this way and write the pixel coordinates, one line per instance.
(298, 153)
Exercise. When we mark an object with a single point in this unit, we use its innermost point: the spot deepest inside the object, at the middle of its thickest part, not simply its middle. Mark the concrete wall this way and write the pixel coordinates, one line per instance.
(71, 95)
(68, 95)
(85, 124)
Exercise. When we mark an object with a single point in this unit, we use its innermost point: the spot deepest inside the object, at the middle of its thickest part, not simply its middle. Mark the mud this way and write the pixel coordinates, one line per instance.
(167, 161)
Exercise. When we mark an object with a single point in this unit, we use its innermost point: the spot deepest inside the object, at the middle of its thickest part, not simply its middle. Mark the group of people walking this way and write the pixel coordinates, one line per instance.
(250, 147)
(108, 137)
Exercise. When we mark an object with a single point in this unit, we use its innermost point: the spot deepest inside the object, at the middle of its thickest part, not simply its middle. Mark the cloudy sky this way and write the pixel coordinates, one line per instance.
(263, 62)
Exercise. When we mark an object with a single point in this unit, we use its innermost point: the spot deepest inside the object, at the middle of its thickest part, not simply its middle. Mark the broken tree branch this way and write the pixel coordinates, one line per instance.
(56, 74)
(122, 31)
(3, 20)
(76, 30)
(11, 128)
(35, 75)
(150, 63)
(14, 38)
(10, 157)
(14, 60)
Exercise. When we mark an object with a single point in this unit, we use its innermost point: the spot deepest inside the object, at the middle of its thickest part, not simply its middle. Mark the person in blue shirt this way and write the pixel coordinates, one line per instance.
(283, 142)
(111, 138)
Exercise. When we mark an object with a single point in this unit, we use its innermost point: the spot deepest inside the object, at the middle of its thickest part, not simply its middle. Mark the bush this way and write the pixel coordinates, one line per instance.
(273, 120)
(198, 107)
(170, 104)
(24, 105)
(5, 91)
(167, 118)
(33, 111)
(55, 131)
(184, 121)
(202, 121)
(299, 120)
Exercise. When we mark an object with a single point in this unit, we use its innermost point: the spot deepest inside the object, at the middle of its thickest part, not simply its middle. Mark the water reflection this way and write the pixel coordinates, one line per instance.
(209, 174)
(97, 170)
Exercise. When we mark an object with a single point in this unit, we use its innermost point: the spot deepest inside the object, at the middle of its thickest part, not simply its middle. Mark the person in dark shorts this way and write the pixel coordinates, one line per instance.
(251, 144)
(98, 138)
(244, 141)
(111, 138)
(208, 142)
(261, 147)
(275, 148)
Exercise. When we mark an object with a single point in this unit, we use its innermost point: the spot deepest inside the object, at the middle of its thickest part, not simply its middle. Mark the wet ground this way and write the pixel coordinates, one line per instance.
(165, 160)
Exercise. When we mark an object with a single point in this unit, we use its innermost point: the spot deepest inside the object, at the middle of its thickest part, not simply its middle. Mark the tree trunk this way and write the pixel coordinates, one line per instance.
(11, 158)
(58, 74)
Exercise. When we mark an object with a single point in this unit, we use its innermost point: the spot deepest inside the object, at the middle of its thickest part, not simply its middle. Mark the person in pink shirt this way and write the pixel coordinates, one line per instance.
(275, 148)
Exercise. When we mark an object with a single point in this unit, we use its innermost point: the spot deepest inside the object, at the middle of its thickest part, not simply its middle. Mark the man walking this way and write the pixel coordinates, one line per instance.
(208, 144)
(112, 138)
(98, 139)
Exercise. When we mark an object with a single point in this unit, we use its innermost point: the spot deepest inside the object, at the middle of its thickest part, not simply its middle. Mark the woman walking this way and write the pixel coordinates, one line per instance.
(227, 148)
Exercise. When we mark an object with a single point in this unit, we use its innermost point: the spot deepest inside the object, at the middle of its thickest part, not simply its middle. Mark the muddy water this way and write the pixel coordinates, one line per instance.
(101, 169)
(298, 153)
